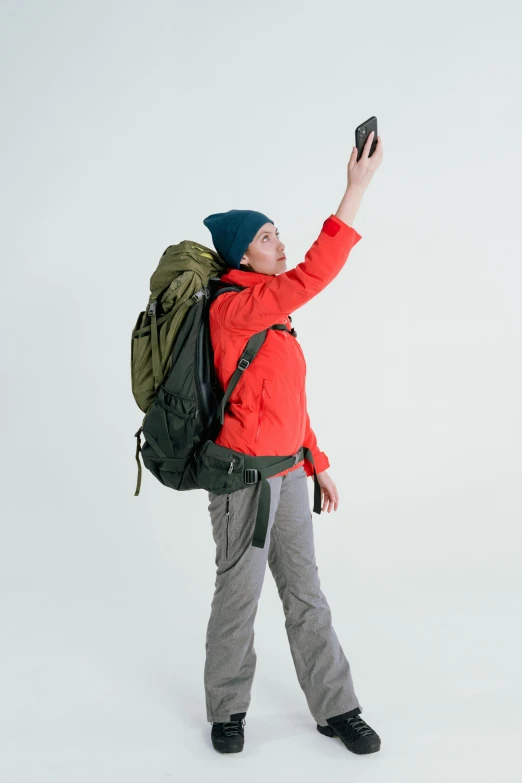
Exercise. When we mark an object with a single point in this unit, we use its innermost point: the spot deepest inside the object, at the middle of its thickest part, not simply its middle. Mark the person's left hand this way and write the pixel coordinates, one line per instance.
(329, 494)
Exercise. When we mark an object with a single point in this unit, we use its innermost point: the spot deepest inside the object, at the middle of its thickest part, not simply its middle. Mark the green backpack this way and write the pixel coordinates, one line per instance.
(175, 384)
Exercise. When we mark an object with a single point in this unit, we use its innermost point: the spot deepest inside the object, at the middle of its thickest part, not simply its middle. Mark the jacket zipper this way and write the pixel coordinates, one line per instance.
(260, 410)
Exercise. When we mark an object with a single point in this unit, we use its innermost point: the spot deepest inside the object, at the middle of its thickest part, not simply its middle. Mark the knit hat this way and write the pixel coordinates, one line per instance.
(233, 231)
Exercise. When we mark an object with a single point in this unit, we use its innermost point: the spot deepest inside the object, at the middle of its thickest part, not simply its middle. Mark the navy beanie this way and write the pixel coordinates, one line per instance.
(233, 231)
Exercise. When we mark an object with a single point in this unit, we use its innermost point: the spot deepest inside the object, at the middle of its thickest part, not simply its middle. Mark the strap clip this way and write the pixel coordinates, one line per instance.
(250, 475)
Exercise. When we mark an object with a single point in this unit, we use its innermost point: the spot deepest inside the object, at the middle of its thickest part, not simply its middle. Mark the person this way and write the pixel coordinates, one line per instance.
(267, 415)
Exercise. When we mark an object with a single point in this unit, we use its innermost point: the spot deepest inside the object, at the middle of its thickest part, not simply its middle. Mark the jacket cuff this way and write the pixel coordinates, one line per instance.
(321, 462)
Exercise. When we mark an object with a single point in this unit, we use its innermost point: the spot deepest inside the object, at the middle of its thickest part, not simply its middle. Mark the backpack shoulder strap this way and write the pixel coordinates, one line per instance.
(248, 355)
(252, 347)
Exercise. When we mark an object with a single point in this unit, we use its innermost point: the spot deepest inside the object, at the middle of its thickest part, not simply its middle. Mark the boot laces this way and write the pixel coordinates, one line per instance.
(359, 726)
(231, 728)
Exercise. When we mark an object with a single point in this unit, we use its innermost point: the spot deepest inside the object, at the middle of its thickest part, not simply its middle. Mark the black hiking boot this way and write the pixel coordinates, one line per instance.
(353, 732)
(229, 737)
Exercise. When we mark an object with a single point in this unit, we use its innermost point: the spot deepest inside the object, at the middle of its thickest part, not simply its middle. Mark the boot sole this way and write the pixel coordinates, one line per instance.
(328, 731)
(228, 747)
(228, 750)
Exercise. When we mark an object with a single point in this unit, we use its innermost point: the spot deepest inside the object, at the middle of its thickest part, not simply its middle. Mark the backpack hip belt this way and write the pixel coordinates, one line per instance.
(221, 470)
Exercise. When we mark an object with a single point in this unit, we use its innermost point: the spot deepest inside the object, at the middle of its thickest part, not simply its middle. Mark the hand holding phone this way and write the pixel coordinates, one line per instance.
(362, 133)
(366, 156)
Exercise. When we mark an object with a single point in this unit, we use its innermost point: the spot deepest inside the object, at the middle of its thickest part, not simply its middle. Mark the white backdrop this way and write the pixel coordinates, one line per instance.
(124, 125)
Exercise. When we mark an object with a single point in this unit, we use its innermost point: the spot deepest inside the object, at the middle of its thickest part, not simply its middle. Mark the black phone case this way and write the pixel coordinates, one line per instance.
(361, 135)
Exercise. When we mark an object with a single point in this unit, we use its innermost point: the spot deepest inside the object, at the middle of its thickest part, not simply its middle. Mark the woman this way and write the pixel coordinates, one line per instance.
(267, 415)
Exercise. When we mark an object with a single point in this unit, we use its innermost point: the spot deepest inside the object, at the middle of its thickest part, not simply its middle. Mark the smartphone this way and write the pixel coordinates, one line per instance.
(361, 135)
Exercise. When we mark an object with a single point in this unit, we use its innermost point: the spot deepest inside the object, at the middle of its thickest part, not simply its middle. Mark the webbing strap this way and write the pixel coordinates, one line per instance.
(263, 509)
(138, 449)
(248, 355)
(154, 346)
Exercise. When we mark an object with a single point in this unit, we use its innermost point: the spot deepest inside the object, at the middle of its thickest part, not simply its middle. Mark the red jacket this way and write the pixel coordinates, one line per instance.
(266, 414)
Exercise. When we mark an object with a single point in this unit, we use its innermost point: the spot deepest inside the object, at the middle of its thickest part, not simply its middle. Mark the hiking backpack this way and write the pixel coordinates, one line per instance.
(174, 382)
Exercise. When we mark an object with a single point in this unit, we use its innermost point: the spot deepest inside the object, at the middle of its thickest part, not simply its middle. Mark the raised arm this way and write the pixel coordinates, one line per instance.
(258, 307)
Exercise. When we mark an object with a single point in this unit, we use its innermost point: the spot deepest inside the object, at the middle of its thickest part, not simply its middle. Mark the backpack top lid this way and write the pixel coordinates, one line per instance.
(185, 256)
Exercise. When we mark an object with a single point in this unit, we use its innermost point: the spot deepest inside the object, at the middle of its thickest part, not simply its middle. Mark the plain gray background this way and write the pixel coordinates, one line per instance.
(124, 124)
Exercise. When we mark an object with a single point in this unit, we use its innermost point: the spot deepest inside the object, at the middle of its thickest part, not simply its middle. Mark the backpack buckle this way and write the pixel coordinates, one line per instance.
(243, 364)
(250, 475)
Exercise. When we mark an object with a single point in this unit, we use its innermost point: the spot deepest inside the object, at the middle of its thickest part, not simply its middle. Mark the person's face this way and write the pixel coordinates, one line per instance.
(264, 252)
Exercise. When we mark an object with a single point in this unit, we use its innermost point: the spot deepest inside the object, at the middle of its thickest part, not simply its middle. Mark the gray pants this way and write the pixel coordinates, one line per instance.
(321, 666)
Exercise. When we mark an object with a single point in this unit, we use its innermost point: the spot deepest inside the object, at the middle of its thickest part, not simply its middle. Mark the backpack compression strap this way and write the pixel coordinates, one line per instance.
(156, 372)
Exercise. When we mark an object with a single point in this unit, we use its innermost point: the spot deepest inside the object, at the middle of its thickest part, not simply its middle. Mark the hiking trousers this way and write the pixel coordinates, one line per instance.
(322, 669)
